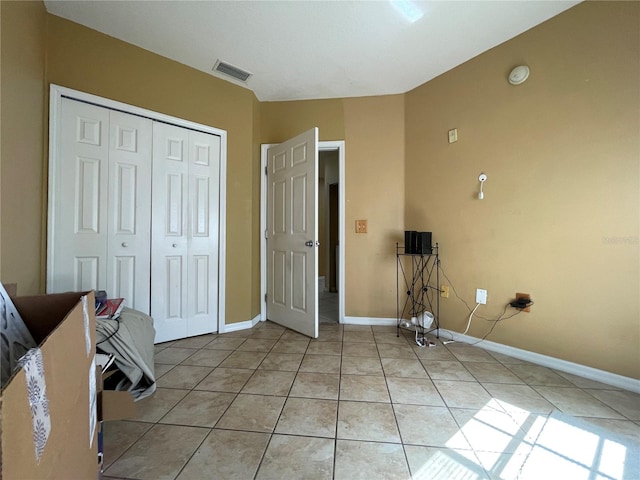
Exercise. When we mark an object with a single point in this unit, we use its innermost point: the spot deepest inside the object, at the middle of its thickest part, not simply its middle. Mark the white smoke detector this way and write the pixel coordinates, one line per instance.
(518, 75)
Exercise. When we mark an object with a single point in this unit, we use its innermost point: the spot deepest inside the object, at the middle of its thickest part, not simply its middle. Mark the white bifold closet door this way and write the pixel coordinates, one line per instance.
(185, 222)
(134, 209)
(100, 204)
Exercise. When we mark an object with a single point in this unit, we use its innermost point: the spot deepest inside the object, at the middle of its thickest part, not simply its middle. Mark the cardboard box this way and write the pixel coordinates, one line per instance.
(66, 339)
(112, 405)
(57, 323)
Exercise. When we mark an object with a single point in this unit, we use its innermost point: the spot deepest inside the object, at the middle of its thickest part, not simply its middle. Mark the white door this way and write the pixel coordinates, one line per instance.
(99, 195)
(78, 200)
(185, 221)
(204, 221)
(129, 222)
(292, 233)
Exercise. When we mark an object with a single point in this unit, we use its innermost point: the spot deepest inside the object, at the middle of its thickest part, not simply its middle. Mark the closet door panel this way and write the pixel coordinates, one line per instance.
(204, 201)
(175, 283)
(78, 200)
(129, 231)
(86, 273)
(169, 243)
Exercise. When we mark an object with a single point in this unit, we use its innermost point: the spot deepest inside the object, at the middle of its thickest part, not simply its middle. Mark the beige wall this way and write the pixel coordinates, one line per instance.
(374, 137)
(256, 301)
(561, 210)
(282, 120)
(22, 143)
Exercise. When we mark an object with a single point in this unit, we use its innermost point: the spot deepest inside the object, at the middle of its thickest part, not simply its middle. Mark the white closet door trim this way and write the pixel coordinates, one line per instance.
(57, 92)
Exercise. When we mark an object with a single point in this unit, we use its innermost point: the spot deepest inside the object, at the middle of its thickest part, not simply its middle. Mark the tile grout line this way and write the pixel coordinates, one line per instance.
(393, 410)
(255, 475)
(335, 437)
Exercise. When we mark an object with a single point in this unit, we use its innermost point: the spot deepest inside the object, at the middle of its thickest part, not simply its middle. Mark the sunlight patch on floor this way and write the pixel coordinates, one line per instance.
(511, 443)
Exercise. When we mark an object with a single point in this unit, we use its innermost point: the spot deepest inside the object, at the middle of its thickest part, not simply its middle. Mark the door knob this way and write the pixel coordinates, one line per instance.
(311, 243)
(125, 244)
(175, 245)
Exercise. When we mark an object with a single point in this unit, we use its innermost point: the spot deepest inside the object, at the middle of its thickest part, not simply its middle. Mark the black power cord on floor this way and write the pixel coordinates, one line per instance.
(495, 321)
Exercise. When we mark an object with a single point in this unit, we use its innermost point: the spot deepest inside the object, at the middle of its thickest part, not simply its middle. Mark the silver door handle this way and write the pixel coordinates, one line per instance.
(310, 243)
(174, 245)
(125, 244)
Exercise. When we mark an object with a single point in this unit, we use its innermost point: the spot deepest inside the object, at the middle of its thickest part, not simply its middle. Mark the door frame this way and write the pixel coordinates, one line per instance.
(57, 92)
(333, 145)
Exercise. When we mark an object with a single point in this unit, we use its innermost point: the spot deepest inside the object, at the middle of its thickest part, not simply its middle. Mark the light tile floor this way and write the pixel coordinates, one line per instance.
(359, 402)
(328, 306)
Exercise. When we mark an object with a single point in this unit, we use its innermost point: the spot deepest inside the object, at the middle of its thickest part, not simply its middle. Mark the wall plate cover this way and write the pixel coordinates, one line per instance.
(481, 296)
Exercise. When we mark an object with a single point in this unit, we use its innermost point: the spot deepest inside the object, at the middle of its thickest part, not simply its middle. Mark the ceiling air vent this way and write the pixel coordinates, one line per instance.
(231, 71)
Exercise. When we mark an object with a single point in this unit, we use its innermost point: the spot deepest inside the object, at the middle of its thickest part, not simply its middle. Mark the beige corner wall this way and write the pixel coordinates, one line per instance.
(373, 130)
(22, 144)
(375, 182)
(282, 120)
(560, 218)
(256, 301)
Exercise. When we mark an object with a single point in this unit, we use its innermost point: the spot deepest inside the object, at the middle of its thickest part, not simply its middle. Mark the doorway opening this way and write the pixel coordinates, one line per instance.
(328, 233)
(331, 212)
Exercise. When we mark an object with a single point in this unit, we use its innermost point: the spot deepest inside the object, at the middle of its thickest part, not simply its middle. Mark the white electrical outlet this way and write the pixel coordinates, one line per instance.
(481, 296)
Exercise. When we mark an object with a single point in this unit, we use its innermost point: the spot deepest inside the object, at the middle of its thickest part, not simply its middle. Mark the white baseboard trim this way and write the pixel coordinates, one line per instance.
(234, 327)
(584, 371)
(374, 321)
(590, 373)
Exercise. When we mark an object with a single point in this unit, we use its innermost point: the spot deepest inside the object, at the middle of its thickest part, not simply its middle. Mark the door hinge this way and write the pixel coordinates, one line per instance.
(265, 298)
(266, 233)
(266, 170)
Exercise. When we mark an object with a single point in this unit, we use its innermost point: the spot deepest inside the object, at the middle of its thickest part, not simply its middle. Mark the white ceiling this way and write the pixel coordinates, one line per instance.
(321, 49)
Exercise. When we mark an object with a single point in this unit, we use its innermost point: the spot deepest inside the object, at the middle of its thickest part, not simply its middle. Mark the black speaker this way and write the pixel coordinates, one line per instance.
(410, 239)
(423, 243)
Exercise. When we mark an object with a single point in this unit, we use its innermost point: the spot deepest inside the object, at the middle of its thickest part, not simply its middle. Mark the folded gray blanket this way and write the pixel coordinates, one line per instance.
(130, 338)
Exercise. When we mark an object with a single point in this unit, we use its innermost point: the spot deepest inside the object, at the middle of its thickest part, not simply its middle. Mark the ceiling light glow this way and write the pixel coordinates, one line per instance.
(408, 9)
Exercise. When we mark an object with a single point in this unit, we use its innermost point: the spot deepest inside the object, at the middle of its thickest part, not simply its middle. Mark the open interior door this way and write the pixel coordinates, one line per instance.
(292, 233)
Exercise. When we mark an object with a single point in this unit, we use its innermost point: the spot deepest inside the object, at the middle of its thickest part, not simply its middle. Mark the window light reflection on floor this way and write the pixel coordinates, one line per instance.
(510, 443)
(449, 464)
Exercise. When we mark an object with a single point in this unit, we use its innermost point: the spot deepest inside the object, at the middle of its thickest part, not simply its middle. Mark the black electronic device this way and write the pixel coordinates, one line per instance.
(423, 243)
(522, 302)
(417, 243)
(410, 241)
